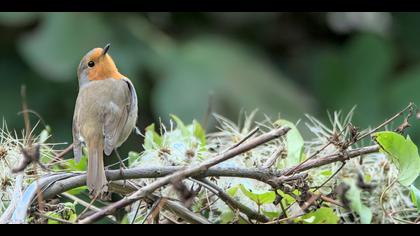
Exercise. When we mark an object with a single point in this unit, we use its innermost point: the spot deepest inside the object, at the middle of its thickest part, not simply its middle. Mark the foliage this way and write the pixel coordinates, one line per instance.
(322, 215)
(403, 152)
(354, 196)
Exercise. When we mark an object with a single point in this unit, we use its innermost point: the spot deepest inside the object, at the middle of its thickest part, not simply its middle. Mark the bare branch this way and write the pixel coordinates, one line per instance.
(331, 159)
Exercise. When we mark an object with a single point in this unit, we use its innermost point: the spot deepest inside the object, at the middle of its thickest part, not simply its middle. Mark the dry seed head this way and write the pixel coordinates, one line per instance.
(3, 152)
(190, 153)
(164, 152)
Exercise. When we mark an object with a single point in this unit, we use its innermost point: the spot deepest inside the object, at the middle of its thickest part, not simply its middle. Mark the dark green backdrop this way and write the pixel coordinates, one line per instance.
(287, 63)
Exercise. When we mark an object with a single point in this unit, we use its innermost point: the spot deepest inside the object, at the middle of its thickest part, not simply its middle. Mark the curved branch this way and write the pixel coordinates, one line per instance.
(341, 156)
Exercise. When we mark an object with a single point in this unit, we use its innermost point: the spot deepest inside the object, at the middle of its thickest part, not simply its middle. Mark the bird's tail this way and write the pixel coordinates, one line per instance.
(96, 179)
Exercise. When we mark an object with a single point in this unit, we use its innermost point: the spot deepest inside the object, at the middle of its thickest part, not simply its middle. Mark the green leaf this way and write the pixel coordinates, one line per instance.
(132, 157)
(354, 196)
(260, 199)
(326, 173)
(415, 196)
(271, 214)
(232, 191)
(323, 215)
(199, 132)
(152, 138)
(403, 153)
(295, 143)
(77, 190)
(53, 215)
(125, 221)
(81, 166)
(180, 125)
(68, 213)
(227, 217)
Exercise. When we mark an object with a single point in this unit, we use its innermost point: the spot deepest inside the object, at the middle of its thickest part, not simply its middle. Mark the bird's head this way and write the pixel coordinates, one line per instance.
(97, 64)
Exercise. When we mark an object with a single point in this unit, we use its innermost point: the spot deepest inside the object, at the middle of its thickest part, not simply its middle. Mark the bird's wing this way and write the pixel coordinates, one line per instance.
(77, 143)
(133, 100)
(115, 119)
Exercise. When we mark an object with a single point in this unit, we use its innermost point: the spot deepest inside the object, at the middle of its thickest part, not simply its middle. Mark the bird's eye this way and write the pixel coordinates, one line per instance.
(91, 64)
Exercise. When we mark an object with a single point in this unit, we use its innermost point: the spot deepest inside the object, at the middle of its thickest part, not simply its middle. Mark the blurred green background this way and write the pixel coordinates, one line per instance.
(287, 63)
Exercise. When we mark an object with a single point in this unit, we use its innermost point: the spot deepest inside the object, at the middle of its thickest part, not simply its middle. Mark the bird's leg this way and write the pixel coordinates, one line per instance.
(122, 165)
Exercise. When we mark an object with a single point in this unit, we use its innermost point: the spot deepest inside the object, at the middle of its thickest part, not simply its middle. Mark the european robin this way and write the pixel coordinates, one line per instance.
(104, 115)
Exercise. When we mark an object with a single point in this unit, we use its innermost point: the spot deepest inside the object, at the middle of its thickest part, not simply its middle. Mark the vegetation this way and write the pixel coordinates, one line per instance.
(254, 172)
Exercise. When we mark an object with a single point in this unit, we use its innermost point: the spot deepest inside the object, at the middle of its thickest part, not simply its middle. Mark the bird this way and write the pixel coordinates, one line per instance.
(105, 114)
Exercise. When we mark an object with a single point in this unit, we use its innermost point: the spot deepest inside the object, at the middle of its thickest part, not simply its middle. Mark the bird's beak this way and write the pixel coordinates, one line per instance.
(106, 48)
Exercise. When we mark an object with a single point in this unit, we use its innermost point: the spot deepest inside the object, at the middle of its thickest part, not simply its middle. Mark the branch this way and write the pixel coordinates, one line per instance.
(330, 159)
(188, 172)
(410, 106)
(170, 205)
(232, 202)
(73, 181)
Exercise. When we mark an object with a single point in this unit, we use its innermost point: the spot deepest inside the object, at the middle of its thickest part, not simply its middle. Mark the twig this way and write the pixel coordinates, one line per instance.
(285, 219)
(291, 171)
(136, 213)
(85, 204)
(311, 200)
(331, 177)
(156, 205)
(232, 202)
(170, 205)
(332, 158)
(27, 123)
(53, 218)
(254, 131)
(64, 152)
(190, 171)
(383, 195)
(86, 208)
(386, 122)
(270, 161)
(330, 200)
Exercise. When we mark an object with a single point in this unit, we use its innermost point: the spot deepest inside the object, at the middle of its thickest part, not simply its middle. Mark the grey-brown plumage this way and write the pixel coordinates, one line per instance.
(105, 114)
